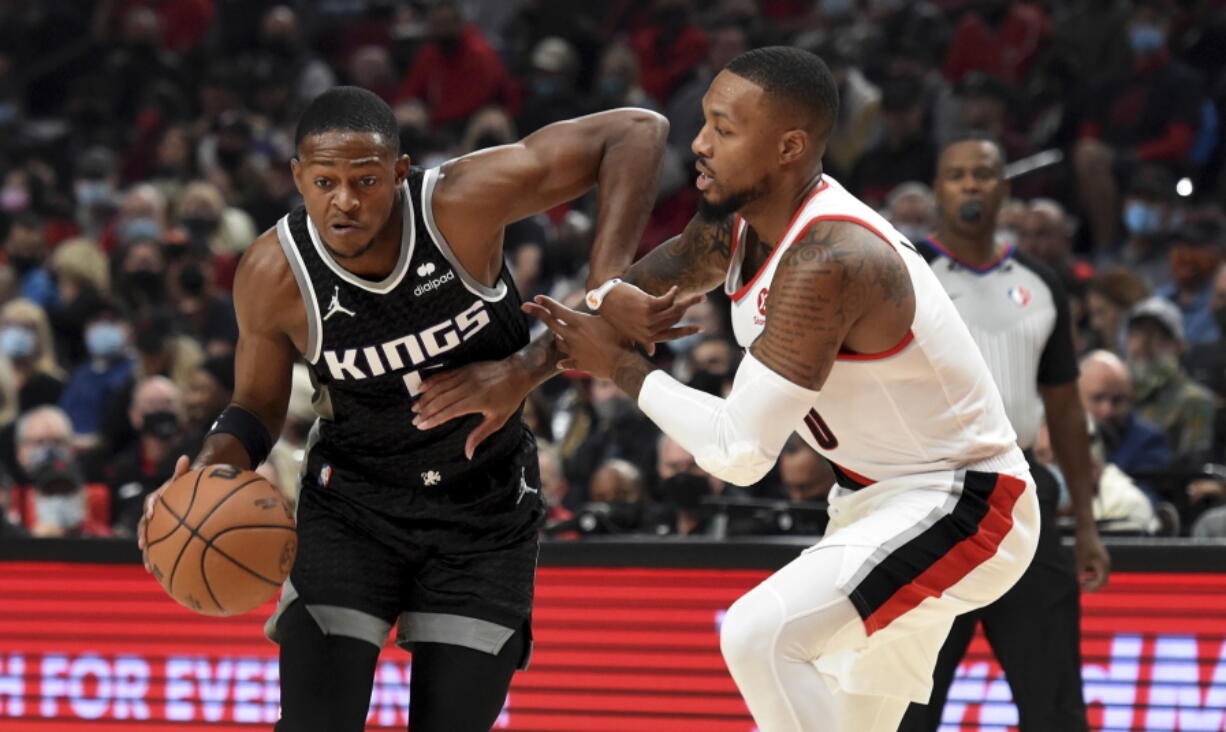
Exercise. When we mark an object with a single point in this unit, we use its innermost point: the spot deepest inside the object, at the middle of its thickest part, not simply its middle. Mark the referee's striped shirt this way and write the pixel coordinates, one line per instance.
(1018, 312)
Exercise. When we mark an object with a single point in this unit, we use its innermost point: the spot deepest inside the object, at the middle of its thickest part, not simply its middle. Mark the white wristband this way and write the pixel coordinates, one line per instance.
(595, 297)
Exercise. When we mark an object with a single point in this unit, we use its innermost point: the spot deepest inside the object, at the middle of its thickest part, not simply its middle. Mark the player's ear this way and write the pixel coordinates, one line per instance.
(402, 168)
(793, 145)
(295, 168)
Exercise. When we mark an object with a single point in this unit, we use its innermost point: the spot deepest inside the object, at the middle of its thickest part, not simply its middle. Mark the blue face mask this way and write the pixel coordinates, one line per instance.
(17, 342)
(105, 340)
(1141, 220)
(1146, 39)
(139, 228)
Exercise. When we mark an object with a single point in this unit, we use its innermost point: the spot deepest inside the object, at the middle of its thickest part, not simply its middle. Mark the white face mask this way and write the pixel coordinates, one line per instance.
(64, 512)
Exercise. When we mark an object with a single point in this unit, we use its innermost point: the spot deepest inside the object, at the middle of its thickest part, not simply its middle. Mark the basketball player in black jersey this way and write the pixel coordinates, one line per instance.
(387, 273)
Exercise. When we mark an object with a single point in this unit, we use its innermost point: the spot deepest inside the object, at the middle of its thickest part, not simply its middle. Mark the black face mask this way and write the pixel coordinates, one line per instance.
(230, 158)
(162, 425)
(147, 282)
(684, 490)
(191, 279)
(199, 228)
(22, 263)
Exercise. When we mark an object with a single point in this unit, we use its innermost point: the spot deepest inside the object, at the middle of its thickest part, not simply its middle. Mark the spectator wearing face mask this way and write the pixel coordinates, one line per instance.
(551, 86)
(1152, 210)
(25, 340)
(158, 415)
(141, 281)
(211, 225)
(142, 215)
(109, 367)
(1149, 114)
(46, 455)
(1164, 394)
(25, 248)
(1196, 253)
(203, 313)
(618, 431)
(82, 277)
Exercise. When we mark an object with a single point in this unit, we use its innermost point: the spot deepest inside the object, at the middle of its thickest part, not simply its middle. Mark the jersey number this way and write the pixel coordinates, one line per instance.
(821, 431)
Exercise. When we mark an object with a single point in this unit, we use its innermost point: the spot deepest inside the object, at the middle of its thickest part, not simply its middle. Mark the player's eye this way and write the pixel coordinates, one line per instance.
(323, 183)
(369, 180)
(721, 132)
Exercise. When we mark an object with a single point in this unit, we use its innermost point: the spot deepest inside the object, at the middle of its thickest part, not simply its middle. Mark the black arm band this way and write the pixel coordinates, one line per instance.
(247, 429)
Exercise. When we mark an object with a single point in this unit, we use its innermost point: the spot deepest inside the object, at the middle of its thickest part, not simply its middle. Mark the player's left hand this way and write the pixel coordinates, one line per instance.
(492, 389)
(648, 319)
(1093, 562)
(589, 342)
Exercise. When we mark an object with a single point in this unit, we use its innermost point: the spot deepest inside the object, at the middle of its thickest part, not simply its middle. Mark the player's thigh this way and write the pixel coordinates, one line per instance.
(472, 599)
(349, 581)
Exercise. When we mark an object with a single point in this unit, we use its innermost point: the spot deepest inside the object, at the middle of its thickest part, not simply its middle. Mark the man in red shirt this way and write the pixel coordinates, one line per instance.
(999, 39)
(457, 72)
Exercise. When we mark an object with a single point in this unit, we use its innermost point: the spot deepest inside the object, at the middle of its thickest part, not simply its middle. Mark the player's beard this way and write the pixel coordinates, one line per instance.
(715, 211)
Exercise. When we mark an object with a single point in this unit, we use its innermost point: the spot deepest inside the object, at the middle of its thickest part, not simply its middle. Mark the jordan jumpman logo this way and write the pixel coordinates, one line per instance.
(335, 306)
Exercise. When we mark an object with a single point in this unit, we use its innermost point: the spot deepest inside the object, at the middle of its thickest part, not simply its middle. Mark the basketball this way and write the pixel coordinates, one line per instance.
(221, 540)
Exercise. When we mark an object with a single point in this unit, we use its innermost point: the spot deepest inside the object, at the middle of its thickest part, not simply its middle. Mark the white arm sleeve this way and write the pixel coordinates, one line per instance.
(736, 439)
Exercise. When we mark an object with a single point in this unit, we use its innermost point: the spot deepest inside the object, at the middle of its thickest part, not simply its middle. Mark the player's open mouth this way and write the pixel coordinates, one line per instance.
(704, 179)
(344, 228)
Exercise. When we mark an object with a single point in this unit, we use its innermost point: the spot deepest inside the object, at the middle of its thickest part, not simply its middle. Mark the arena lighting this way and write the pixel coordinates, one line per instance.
(1184, 187)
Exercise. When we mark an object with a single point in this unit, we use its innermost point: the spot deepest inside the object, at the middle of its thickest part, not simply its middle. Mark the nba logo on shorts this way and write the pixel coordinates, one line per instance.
(762, 295)
(325, 476)
(1019, 295)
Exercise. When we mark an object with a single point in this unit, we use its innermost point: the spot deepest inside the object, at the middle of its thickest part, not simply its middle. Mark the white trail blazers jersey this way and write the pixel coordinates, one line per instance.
(927, 404)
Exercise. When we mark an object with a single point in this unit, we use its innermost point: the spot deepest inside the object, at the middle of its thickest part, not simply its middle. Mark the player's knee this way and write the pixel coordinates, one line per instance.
(751, 628)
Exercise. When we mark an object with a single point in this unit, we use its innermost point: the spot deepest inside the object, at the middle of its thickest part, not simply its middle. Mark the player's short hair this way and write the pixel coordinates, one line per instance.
(980, 136)
(349, 109)
(794, 76)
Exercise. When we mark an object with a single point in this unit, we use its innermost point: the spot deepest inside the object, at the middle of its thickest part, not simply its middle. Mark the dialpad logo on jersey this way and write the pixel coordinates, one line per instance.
(1020, 296)
(433, 284)
(407, 350)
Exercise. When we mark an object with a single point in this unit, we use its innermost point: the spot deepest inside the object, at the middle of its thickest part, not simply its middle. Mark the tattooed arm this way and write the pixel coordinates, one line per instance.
(838, 286)
(693, 262)
(826, 283)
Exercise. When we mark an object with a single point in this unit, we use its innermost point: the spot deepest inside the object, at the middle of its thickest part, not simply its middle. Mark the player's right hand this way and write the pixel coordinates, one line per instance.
(493, 389)
(181, 467)
(647, 319)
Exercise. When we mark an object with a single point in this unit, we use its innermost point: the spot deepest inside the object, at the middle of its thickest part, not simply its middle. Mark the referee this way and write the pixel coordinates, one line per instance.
(1018, 313)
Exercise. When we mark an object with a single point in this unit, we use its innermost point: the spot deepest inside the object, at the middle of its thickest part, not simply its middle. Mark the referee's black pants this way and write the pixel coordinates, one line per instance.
(1034, 630)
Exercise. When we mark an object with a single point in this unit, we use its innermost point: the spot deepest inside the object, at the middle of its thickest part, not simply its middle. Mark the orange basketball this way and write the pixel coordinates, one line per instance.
(221, 540)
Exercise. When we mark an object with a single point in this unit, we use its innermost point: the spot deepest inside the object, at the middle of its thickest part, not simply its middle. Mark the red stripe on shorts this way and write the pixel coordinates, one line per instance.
(959, 561)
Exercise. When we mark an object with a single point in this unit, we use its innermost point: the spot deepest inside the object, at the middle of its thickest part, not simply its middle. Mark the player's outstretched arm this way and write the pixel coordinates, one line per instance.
(827, 283)
(619, 150)
(677, 272)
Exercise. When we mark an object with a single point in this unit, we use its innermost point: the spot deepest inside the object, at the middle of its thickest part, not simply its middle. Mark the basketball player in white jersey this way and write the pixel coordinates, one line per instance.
(853, 344)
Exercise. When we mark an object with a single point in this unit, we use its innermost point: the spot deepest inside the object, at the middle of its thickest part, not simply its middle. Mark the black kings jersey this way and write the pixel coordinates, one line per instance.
(370, 344)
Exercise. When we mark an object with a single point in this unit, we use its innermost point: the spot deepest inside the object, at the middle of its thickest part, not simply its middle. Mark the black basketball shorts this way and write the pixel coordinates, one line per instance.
(454, 562)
